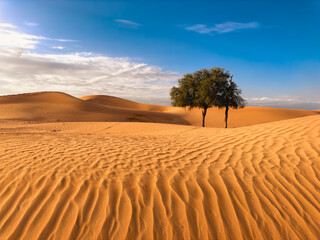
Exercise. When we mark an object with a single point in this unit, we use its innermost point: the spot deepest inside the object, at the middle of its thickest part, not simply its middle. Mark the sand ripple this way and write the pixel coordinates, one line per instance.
(157, 181)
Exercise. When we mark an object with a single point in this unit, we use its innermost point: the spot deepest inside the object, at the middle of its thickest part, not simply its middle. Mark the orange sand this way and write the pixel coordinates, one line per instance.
(133, 180)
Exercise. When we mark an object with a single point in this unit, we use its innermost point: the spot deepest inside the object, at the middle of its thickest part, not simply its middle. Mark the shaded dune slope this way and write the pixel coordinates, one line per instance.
(215, 117)
(158, 181)
(56, 106)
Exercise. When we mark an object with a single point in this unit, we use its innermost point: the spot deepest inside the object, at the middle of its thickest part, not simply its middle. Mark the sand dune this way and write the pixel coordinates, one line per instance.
(215, 117)
(118, 180)
(124, 103)
(244, 117)
(55, 106)
(61, 107)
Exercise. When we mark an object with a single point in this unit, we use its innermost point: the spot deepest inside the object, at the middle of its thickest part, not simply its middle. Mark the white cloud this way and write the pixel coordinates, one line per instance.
(12, 37)
(82, 74)
(61, 40)
(7, 25)
(57, 47)
(269, 99)
(23, 69)
(127, 23)
(222, 27)
(31, 24)
(284, 102)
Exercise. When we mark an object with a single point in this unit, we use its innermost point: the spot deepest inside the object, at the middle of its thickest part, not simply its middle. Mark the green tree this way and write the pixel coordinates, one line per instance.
(201, 89)
(230, 98)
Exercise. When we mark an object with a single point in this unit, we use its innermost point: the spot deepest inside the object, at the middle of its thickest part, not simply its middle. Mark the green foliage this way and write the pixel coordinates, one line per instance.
(200, 89)
(231, 96)
(207, 88)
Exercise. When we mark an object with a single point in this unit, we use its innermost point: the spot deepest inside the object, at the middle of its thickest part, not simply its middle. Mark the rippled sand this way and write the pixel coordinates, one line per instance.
(120, 180)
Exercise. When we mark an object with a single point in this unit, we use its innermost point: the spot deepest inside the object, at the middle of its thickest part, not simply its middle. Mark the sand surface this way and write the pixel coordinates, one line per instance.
(137, 180)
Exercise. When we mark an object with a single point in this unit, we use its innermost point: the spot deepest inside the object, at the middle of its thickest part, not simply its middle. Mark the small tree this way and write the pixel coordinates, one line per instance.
(230, 97)
(201, 89)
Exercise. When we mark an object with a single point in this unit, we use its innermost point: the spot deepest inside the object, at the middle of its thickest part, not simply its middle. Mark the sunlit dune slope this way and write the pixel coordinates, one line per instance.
(82, 180)
(215, 117)
(56, 106)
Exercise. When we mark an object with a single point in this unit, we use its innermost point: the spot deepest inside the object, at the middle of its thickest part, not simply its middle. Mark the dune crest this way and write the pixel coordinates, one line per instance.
(159, 181)
(124, 103)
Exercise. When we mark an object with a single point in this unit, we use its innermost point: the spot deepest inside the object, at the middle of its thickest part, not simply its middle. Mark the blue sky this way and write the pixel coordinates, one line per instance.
(138, 49)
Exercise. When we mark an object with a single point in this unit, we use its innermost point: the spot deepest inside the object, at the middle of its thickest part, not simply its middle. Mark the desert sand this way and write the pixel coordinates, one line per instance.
(100, 167)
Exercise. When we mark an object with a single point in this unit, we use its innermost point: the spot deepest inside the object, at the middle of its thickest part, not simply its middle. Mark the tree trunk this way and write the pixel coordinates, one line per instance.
(226, 116)
(204, 113)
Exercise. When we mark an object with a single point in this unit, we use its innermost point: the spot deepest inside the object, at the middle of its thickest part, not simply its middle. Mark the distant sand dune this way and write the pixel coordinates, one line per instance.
(55, 107)
(215, 117)
(124, 103)
(118, 180)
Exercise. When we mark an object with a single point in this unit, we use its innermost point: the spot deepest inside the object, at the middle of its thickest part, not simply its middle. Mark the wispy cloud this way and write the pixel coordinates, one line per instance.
(57, 47)
(271, 99)
(31, 24)
(284, 102)
(62, 40)
(127, 23)
(222, 27)
(7, 25)
(78, 73)
(11, 36)
(82, 74)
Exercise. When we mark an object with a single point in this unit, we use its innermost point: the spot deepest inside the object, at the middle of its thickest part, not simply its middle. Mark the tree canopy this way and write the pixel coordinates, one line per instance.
(207, 88)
